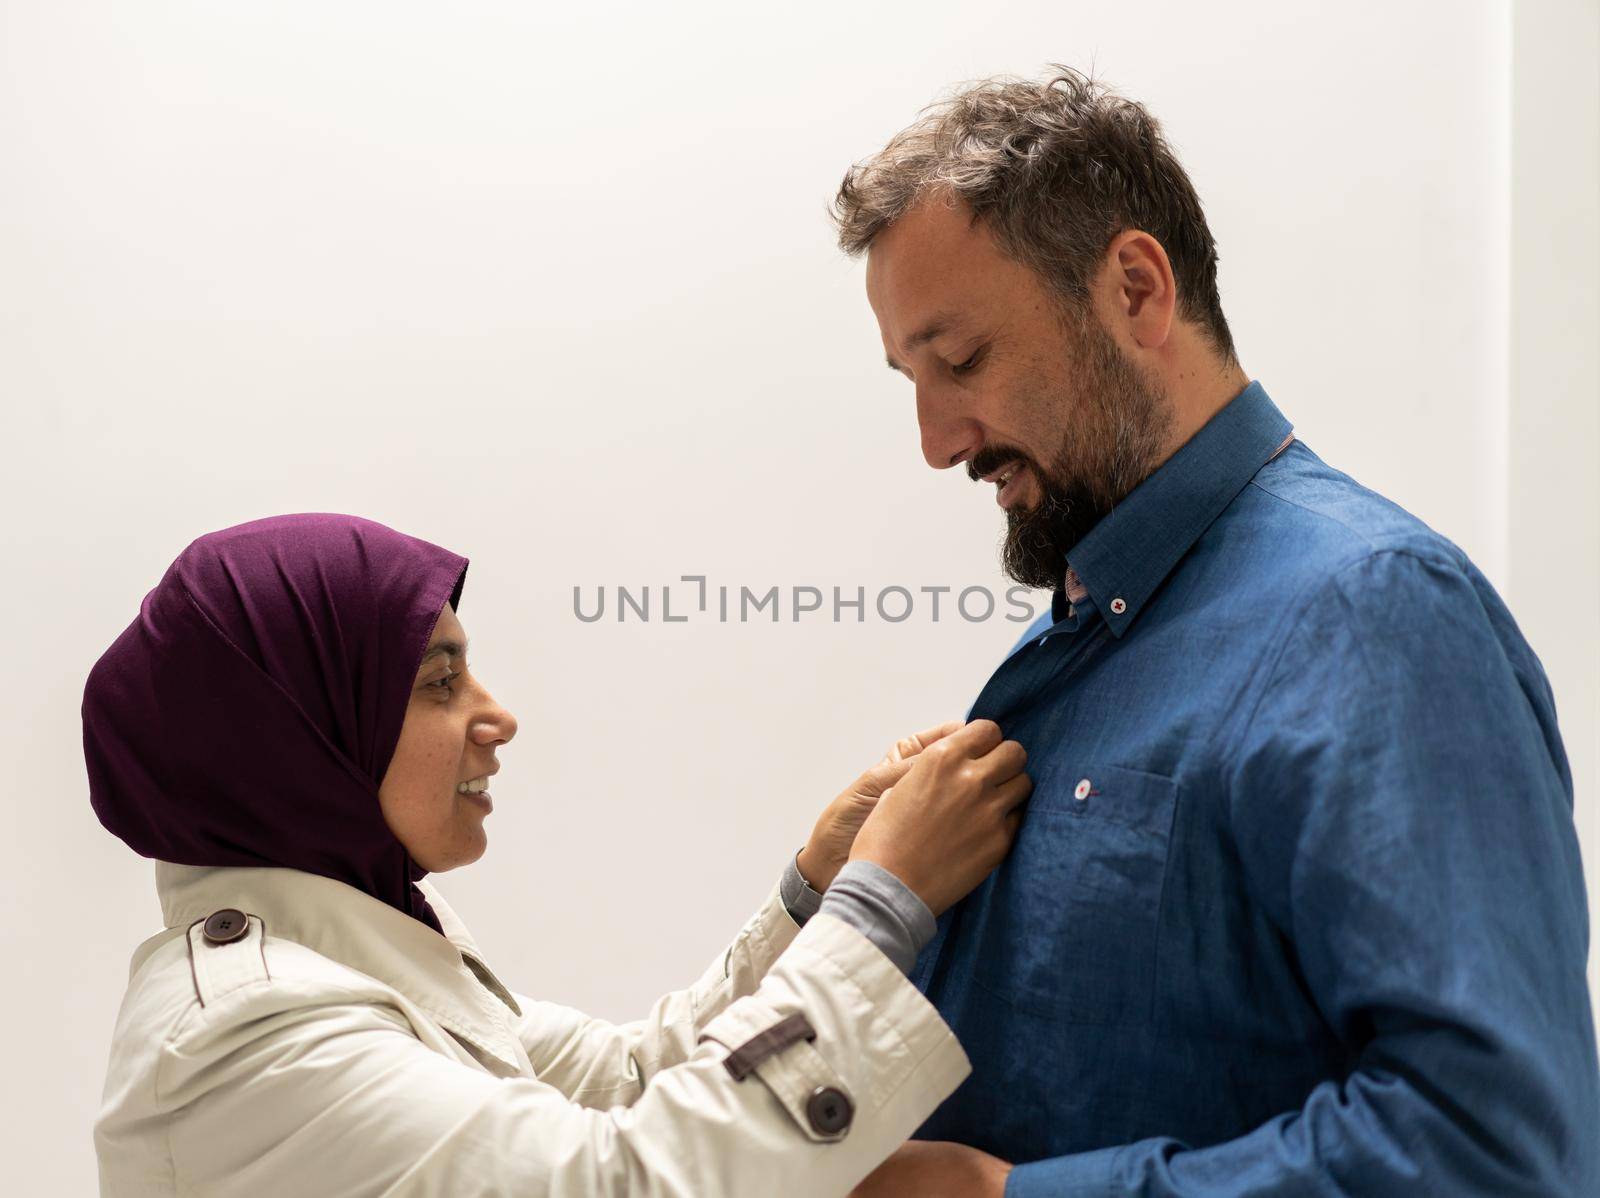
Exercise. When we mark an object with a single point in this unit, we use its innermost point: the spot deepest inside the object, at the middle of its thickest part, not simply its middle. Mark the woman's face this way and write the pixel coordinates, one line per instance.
(450, 732)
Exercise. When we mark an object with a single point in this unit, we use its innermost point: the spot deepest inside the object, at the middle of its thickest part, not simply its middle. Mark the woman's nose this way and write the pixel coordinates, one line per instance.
(496, 725)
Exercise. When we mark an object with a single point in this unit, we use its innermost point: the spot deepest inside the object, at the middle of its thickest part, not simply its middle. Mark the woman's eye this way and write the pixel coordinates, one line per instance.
(964, 367)
(444, 683)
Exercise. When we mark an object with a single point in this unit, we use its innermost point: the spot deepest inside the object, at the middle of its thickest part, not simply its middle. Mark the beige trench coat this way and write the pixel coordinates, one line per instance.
(327, 1044)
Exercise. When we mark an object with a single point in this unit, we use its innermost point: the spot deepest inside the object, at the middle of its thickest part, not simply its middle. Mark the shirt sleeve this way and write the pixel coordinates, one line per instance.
(872, 900)
(295, 1087)
(883, 909)
(1402, 809)
(799, 899)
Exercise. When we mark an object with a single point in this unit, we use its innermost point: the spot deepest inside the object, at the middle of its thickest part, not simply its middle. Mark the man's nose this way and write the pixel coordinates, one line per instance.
(948, 436)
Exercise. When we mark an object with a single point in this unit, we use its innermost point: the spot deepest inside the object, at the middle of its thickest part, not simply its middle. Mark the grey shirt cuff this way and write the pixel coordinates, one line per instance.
(870, 899)
(798, 898)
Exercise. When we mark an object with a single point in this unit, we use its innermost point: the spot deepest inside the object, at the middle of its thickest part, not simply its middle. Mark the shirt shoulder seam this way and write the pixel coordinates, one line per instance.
(1260, 678)
(1332, 519)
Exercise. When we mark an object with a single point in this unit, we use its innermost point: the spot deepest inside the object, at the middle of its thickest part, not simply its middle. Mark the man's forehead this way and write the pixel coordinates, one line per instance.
(931, 267)
(926, 247)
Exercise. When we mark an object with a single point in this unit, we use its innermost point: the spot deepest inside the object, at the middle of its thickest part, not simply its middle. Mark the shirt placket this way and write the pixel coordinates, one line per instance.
(1065, 646)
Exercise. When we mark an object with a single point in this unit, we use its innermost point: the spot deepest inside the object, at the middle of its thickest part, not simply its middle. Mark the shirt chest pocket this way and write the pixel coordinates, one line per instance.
(1071, 916)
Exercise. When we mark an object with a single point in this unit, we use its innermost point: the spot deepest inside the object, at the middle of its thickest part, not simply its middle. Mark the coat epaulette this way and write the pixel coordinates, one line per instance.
(226, 950)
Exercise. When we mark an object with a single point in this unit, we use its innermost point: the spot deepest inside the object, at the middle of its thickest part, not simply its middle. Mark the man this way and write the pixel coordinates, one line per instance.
(1297, 906)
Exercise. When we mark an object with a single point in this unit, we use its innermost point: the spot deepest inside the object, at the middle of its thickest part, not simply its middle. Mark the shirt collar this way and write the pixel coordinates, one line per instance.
(444, 975)
(1129, 553)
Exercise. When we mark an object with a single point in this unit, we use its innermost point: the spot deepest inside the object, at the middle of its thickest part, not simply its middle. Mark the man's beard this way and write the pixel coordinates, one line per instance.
(1113, 431)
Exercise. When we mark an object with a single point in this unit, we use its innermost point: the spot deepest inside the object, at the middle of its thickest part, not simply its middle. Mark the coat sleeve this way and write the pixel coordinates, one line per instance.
(278, 1092)
(1403, 811)
(600, 1064)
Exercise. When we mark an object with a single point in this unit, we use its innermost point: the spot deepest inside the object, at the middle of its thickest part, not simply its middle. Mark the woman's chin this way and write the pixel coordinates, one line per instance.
(469, 845)
(473, 850)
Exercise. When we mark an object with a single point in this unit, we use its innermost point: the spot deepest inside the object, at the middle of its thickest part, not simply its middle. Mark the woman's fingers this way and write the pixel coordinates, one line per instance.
(910, 746)
(1013, 792)
(1007, 758)
(877, 780)
(977, 738)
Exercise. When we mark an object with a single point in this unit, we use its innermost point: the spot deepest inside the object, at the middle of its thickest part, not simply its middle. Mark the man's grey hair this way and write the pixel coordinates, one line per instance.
(1055, 170)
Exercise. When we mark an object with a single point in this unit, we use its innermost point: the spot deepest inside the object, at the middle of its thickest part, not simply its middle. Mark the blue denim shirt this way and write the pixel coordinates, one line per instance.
(1297, 905)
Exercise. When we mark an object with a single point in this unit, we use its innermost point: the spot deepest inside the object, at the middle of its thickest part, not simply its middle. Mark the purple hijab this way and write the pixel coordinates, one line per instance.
(247, 716)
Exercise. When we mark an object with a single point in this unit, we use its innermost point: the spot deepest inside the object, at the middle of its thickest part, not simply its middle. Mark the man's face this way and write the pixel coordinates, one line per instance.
(1012, 385)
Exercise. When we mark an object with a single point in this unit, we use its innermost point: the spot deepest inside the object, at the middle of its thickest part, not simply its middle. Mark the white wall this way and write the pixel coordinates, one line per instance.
(555, 290)
(1552, 445)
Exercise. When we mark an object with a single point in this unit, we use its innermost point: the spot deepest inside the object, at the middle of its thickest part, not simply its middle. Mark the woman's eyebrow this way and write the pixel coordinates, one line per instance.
(445, 648)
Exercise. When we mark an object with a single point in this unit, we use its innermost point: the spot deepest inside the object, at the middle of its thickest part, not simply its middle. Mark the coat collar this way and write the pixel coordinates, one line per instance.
(444, 975)
(1130, 552)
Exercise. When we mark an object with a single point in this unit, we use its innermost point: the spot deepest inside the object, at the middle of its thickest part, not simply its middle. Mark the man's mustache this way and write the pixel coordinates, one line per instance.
(989, 459)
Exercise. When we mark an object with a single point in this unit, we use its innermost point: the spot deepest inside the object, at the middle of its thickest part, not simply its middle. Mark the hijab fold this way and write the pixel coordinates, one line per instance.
(248, 714)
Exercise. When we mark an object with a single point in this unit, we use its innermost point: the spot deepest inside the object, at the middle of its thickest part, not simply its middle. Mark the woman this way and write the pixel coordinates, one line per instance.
(291, 729)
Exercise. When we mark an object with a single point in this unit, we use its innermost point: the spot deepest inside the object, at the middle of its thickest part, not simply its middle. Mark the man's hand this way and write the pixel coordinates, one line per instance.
(936, 1169)
(829, 847)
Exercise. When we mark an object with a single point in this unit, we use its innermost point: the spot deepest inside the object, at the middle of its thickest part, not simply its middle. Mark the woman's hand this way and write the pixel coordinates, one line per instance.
(829, 847)
(952, 818)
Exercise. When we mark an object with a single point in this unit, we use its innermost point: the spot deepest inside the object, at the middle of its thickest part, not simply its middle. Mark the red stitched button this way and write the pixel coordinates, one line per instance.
(829, 1110)
(226, 926)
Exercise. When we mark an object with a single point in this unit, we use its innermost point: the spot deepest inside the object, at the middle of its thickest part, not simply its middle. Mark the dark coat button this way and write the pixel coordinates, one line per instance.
(226, 926)
(829, 1110)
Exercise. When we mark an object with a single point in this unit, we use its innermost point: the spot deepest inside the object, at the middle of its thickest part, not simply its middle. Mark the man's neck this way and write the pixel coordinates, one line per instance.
(1196, 399)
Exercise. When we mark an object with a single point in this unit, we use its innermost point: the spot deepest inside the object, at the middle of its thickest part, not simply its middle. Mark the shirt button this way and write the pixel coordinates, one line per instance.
(1118, 606)
(226, 926)
(1081, 790)
(829, 1110)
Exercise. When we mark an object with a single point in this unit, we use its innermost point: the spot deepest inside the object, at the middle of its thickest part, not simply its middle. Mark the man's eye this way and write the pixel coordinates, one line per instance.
(964, 367)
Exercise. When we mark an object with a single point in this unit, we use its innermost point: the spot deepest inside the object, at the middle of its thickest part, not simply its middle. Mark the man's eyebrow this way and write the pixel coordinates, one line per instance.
(446, 649)
(938, 325)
